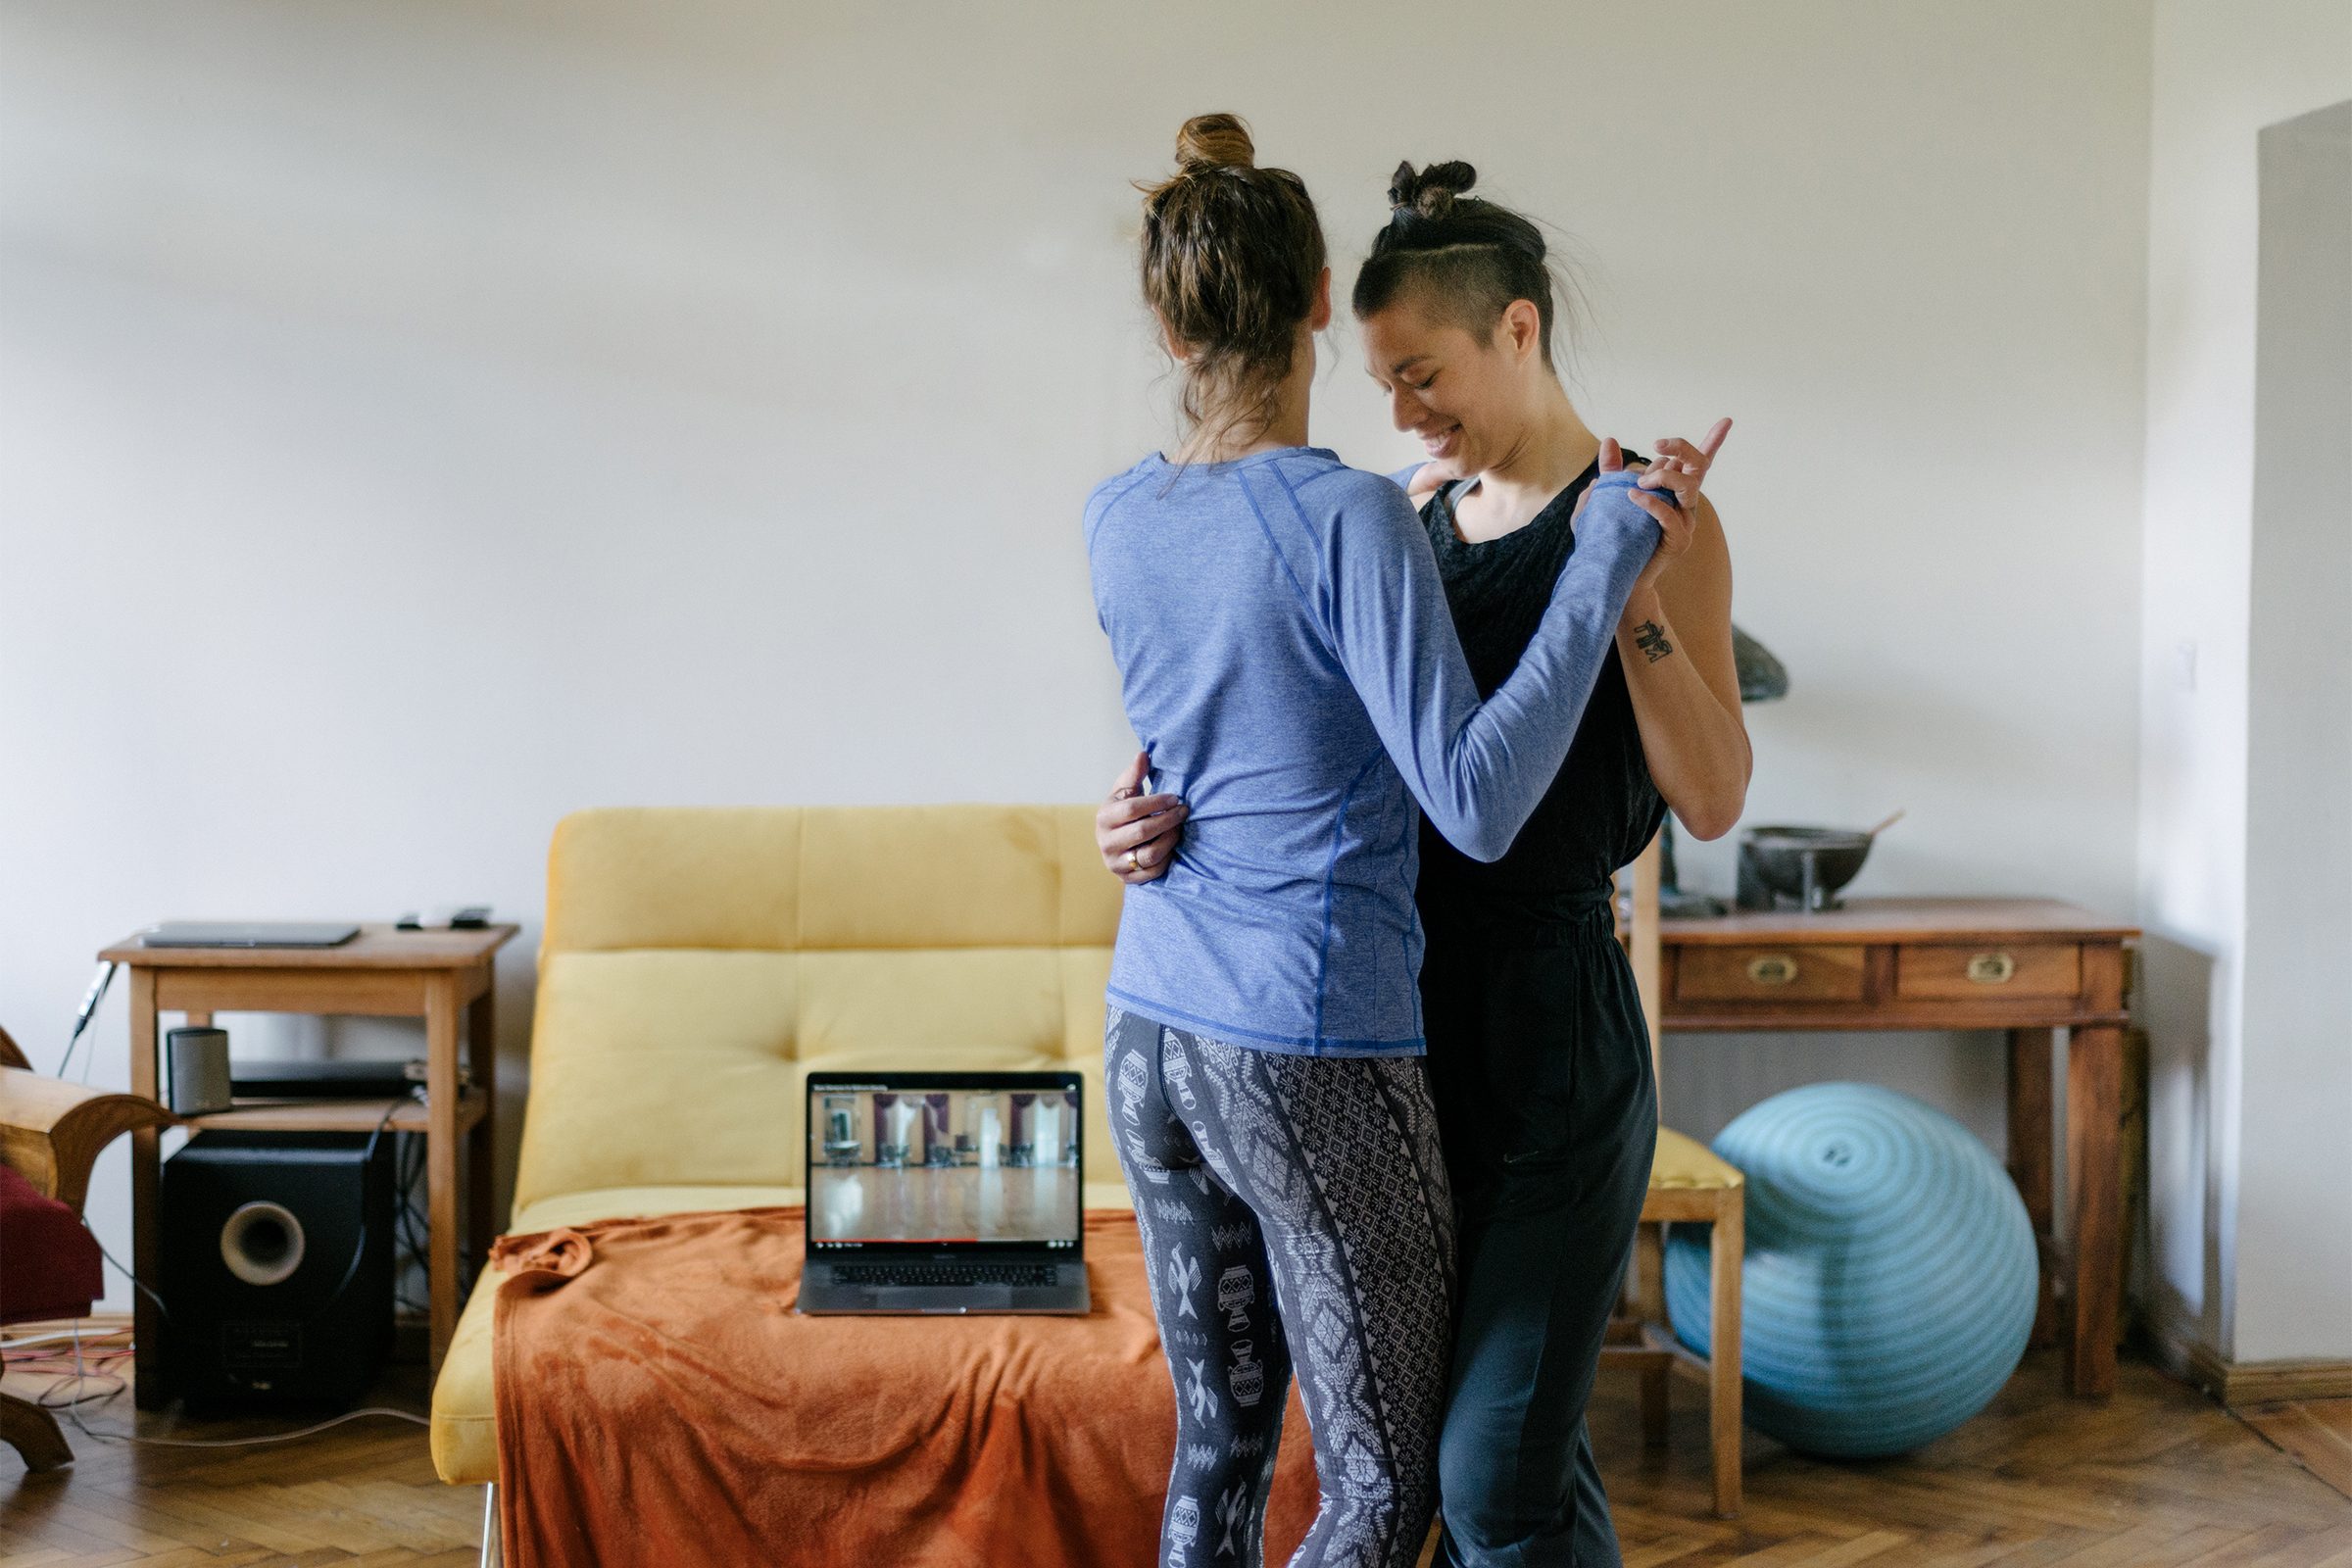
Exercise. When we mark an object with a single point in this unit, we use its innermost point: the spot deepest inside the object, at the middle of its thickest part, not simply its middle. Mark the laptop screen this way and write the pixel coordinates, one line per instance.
(931, 1160)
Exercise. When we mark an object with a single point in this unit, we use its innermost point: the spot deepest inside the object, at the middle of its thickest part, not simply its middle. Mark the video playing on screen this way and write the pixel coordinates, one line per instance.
(940, 1165)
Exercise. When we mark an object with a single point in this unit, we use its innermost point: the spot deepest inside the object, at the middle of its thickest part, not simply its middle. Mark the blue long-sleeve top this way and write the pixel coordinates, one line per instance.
(1287, 659)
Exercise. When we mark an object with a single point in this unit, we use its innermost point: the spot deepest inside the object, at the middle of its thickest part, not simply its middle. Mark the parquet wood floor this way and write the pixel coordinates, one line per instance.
(2158, 1478)
(2317, 1432)
(362, 1493)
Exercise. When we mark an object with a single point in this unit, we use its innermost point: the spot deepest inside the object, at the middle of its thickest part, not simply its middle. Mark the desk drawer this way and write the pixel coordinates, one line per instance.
(1991, 971)
(1798, 973)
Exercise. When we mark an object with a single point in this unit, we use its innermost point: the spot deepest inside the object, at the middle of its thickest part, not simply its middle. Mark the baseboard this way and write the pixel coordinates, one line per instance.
(2183, 1351)
(2243, 1383)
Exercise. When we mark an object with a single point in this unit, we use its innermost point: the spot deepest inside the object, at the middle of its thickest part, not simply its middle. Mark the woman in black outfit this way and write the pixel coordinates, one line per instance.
(1539, 1057)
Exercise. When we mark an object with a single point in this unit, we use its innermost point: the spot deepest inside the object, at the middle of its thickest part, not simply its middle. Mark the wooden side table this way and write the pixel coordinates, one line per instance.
(381, 972)
(2028, 967)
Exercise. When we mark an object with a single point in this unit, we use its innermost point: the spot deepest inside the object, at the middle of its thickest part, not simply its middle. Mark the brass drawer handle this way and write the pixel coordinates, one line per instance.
(1991, 969)
(1772, 969)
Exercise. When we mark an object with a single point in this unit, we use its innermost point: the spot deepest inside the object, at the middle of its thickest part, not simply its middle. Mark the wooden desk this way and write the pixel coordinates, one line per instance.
(431, 975)
(2028, 967)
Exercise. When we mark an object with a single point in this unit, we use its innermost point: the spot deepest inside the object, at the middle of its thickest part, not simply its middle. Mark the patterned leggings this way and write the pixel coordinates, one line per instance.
(1293, 1210)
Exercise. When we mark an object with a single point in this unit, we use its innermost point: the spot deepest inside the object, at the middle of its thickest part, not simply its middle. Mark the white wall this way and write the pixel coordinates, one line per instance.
(418, 422)
(2218, 1088)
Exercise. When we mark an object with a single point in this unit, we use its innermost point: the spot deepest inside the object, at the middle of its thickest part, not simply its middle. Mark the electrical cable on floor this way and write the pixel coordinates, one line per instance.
(11, 1347)
(14, 1358)
(73, 1412)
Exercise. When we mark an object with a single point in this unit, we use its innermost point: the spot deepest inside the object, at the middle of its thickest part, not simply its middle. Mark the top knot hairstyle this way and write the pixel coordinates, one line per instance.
(1232, 253)
(1464, 259)
(1431, 192)
(1214, 141)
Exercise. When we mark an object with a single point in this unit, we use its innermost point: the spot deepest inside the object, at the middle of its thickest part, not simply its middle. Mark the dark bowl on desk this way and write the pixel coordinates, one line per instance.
(1781, 854)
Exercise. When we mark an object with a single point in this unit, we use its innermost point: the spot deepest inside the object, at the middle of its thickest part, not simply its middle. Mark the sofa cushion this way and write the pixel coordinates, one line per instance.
(783, 878)
(53, 1268)
(1683, 1161)
(688, 1067)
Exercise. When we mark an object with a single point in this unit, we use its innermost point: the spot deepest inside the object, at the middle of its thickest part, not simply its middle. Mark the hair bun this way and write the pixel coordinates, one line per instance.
(1430, 192)
(1214, 141)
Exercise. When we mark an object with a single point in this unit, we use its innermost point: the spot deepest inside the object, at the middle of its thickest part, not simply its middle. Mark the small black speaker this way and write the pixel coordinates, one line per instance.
(277, 1266)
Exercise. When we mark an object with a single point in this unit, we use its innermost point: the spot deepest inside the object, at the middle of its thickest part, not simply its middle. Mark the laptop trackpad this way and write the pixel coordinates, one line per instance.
(962, 1299)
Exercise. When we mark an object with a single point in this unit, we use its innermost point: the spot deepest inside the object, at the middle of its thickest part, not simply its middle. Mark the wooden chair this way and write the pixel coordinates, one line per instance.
(1687, 1183)
(50, 1134)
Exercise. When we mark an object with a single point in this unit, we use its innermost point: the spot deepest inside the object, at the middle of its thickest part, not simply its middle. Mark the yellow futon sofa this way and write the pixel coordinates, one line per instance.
(698, 963)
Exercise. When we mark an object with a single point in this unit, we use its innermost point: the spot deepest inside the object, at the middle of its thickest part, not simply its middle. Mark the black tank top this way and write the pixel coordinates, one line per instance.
(1602, 808)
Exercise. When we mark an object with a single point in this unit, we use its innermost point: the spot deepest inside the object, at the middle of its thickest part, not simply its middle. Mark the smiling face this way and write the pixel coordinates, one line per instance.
(1470, 400)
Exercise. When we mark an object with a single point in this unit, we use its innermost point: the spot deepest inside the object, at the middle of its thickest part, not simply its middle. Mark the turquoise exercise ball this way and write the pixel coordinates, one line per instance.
(1890, 1275)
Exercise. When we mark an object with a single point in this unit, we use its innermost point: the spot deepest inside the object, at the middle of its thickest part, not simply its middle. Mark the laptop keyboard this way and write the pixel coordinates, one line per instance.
(883, 1276)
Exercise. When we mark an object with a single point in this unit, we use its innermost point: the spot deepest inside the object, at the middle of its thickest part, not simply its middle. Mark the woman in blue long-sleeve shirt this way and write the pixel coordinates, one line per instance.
(1287, 658)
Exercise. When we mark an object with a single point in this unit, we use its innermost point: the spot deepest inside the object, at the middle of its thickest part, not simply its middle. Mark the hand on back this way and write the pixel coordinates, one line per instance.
(1136, 832)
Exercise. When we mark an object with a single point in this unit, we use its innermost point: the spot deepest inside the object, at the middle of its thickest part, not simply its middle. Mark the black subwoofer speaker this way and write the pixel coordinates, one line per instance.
(277, 1265)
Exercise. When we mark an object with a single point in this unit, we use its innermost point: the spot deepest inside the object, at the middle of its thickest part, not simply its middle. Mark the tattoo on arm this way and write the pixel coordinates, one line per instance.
(1651, 638)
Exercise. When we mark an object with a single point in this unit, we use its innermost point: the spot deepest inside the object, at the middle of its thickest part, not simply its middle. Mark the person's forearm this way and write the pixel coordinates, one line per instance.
(1696, 748)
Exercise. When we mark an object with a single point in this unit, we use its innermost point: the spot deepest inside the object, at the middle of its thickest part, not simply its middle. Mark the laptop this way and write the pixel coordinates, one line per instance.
(944, 1192)
(249, 934)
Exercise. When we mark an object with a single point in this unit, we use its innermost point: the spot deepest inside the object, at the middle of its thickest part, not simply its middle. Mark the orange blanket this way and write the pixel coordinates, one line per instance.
(660, 1403)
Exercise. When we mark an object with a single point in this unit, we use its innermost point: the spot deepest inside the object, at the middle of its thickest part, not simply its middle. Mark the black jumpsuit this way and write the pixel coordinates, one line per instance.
(1539, 1061)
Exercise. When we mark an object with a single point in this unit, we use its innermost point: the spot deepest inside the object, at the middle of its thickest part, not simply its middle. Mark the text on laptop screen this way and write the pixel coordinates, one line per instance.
(941, 1165)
